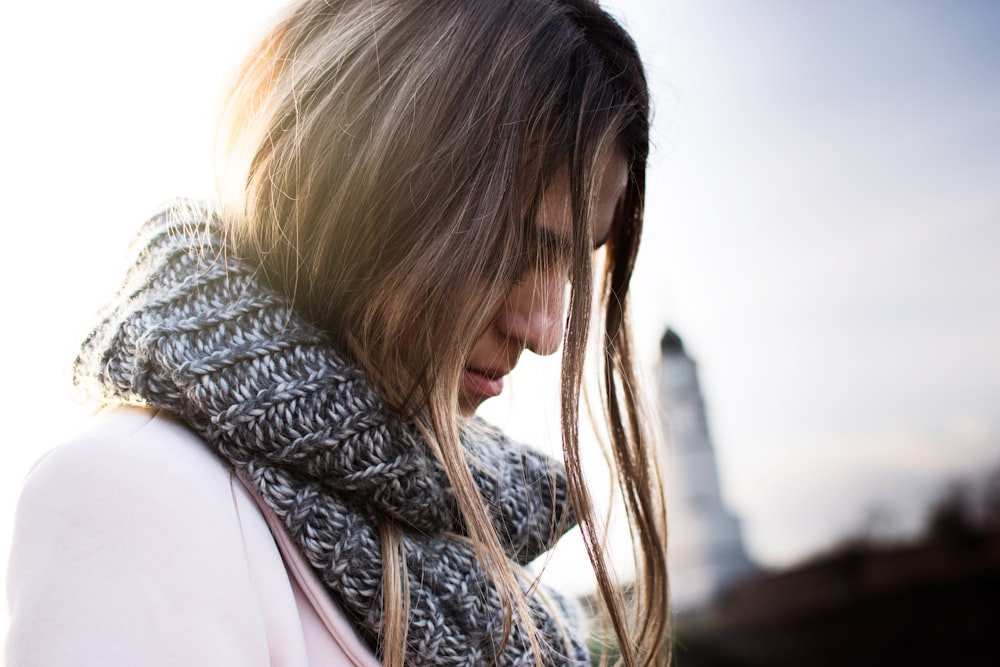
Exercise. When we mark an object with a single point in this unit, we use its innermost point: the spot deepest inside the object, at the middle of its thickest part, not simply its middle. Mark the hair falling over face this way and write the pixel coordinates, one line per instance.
(384, 162)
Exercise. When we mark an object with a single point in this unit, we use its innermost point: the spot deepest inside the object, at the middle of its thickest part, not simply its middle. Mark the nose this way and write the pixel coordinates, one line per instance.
(533, 314)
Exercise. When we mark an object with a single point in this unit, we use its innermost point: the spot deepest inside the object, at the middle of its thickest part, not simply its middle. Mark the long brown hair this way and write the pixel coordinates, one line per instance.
(384, 161)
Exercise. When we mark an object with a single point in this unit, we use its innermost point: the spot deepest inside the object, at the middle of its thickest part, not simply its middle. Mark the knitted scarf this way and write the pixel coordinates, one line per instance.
(193, 331)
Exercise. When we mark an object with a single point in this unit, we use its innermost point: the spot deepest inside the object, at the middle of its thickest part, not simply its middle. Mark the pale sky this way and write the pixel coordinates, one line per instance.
(830, 217)
(823, 228)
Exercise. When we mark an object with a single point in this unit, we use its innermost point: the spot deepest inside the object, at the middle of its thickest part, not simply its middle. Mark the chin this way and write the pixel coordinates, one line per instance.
(467, 409)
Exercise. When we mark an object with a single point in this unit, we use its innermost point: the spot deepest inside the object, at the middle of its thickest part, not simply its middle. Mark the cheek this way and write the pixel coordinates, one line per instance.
(543, 290)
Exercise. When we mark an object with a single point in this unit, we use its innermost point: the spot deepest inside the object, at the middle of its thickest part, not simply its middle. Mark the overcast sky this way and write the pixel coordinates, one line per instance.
(827, 216)
(823, 227)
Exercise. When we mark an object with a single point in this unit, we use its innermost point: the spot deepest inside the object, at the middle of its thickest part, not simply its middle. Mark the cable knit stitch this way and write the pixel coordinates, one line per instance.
(195, 332)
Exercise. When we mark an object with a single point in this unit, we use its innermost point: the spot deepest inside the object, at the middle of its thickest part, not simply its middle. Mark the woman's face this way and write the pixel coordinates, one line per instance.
(532, 314)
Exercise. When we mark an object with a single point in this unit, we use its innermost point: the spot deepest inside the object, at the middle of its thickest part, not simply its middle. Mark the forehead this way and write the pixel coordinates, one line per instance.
(555, 213)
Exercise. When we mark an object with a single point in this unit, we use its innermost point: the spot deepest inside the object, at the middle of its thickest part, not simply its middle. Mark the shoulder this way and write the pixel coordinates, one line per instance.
(126, 537)
(132, 473)
(134, 534)
(123, 444)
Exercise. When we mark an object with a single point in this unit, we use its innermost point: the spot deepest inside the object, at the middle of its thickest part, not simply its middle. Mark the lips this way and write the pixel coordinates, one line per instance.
(482, 384)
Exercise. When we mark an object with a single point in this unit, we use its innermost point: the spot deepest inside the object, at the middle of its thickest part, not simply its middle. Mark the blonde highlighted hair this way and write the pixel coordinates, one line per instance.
(384, 162)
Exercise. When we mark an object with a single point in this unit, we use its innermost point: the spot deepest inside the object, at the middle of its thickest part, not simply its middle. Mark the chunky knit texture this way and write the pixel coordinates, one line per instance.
(195, 332)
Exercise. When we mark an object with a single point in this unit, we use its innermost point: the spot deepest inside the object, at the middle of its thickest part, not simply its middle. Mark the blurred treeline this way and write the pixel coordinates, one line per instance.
(872, 599)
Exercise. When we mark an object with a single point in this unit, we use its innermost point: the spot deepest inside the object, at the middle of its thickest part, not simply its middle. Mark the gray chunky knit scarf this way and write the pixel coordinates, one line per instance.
(194, 332)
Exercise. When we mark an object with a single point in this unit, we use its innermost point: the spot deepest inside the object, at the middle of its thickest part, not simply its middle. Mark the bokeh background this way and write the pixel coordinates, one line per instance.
(823, 230)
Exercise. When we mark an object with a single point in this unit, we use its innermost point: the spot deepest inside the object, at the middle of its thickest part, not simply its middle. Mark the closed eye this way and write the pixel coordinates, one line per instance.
(552, 247)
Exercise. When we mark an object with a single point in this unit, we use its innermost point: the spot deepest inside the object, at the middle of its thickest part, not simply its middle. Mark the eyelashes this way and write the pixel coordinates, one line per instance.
(545, 250)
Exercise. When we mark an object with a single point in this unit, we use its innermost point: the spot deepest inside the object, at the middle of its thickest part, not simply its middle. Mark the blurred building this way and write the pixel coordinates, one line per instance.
(706, 551)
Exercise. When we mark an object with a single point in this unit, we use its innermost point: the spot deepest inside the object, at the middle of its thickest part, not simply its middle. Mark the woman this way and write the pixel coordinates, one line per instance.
(410, 195)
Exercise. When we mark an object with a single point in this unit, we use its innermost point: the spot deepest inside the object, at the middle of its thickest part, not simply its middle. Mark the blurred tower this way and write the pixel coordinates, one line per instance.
(706, 546)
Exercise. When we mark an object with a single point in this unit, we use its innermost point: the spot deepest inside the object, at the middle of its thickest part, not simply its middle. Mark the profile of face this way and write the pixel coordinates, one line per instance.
(532, 314)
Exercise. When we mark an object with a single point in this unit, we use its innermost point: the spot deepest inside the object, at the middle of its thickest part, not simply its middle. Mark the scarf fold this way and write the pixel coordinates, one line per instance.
(195, 332)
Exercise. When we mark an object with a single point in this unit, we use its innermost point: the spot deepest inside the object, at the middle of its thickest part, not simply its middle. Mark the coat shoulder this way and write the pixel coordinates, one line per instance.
(134, 534)
(125, 538)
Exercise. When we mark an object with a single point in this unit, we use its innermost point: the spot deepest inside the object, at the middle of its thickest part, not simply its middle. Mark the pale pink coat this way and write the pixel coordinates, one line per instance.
(135, 545)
